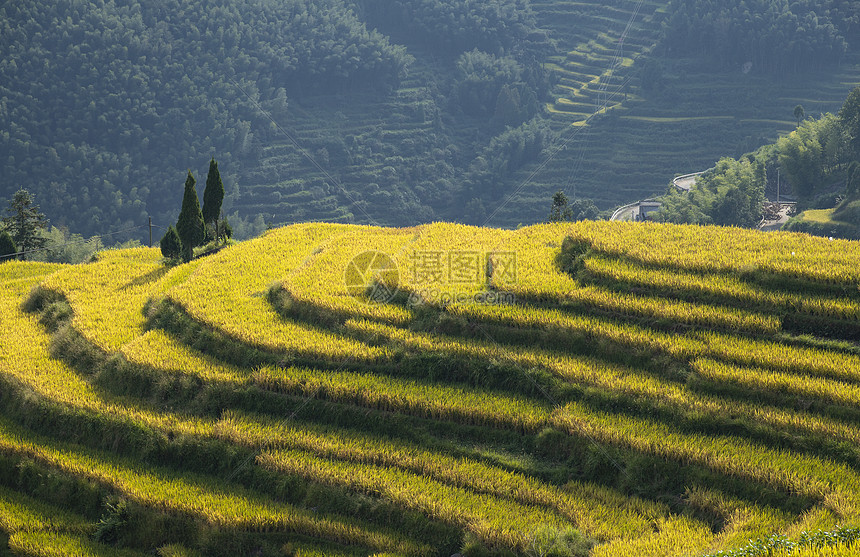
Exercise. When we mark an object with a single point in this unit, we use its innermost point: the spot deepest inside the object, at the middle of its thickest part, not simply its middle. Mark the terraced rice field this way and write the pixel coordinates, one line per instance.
(598, 388)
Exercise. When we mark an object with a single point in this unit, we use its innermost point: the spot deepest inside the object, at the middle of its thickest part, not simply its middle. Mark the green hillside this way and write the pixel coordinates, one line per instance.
(349, 111)
(672, 112)
(602, 389)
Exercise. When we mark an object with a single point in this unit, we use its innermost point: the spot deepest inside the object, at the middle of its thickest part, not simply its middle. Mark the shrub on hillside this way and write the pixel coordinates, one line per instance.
(7, 246)
(171, 245)
(848, 212)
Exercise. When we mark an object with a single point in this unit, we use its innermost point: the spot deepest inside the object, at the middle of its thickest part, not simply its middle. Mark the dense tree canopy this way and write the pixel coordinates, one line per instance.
(101, 103)
(849, 116)
(498, 87)
(458, 25)
(506, 153)
(731, 194)
(812, 154)
(772, 35)
(131, 92)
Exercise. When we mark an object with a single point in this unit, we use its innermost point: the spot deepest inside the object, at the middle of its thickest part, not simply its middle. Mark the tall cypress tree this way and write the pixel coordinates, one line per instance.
(213, 196)
(190, 223)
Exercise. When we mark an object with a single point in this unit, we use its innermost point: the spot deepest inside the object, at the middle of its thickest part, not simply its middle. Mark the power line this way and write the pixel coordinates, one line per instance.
(599, 107)
(552, 155)
(574, 172)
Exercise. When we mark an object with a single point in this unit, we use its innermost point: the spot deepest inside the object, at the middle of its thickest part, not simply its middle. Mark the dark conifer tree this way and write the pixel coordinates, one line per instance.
(213, 196)
(7, 246)
(171, 245)
(560, 211)
(25, 222)
(189, 226)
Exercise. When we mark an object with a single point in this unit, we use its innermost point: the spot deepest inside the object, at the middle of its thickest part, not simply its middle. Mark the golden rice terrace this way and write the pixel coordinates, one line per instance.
(594, 388)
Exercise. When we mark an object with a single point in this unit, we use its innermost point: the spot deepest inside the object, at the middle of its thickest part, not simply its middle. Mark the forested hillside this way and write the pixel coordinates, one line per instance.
(104, 105)
(397, 112)
(778, 36)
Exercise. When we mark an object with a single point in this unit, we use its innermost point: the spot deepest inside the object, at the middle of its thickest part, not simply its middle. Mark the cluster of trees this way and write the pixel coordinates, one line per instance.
(196, 226)
(498, 87)
(24, 234)
(454, 26)
(774, 35)
(821, 157)
(813, 156)
(130, 91)
(823, 161)
(817, 157)
(849, 117)
(20, 233)
(506, 153)
(562, 210)
(731, 194)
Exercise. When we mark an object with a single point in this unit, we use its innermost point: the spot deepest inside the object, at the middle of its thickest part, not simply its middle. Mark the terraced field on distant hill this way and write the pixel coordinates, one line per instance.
(376, 149)
(594, 388)
(646, 137)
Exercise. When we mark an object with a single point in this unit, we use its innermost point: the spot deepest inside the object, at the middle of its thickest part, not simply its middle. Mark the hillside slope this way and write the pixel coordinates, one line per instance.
(602, 388)
(346, 111)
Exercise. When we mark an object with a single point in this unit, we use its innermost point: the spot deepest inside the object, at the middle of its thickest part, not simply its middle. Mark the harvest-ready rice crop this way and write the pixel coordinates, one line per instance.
(214, 501)
(228, 293)
(726, 287)
(108, 296)
(708, 248)
(614, 401)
